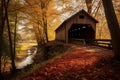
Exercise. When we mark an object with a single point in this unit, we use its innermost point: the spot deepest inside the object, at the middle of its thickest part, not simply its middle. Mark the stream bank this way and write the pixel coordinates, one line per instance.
(44, 54)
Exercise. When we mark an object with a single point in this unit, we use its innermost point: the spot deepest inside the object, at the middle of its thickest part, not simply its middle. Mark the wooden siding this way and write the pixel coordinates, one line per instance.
(62, 30)
(60, 34)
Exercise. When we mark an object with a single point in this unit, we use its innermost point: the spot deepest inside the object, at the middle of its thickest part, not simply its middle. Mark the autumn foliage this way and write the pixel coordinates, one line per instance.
(79, 64)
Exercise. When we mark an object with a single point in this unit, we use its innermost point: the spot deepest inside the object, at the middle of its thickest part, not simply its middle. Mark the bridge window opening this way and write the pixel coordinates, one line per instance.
(81, 16)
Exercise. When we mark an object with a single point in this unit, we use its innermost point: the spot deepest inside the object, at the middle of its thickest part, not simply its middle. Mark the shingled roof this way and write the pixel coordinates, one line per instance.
(81, 11)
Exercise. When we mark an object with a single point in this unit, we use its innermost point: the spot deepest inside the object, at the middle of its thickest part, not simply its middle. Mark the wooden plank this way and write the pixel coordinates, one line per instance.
(103, 43)
(102, 40)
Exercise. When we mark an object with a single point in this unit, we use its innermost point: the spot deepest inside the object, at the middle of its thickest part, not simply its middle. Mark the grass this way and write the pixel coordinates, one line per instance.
(20, 54)
(57, 54)
(25, 72)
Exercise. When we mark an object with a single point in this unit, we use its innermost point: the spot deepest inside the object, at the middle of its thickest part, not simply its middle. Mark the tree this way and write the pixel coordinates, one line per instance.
(15, 34)
(113, 26)
(9, 35)
(43, 7)
(89, 5)
(2, 23)
(39, 16)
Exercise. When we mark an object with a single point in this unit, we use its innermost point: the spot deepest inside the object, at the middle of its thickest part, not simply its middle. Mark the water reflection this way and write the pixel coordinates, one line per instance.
(29, 59)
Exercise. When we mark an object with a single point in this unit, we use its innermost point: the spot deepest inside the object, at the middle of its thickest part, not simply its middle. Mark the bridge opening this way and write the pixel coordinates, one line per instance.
(81, 33)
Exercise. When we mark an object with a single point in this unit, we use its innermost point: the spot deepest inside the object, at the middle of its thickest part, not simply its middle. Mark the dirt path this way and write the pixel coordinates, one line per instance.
(86, 63)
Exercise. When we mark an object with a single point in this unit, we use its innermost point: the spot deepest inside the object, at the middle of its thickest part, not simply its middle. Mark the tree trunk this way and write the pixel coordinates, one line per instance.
(46, 32)
(113, 26)
(10, 38)
(38, 35)
(45, 25)
(1, 13)
(89, 5)
(15, 30)
(44, 18)
(2, 23)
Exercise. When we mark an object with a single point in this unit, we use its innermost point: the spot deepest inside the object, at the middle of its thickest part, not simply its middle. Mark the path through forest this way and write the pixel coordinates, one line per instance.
(82, 63)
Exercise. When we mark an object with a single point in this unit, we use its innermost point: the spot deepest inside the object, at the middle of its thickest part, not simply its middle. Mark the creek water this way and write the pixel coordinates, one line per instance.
(29, 59)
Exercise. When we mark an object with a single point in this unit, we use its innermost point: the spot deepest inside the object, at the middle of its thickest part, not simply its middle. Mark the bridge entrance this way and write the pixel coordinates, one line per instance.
(81, 33)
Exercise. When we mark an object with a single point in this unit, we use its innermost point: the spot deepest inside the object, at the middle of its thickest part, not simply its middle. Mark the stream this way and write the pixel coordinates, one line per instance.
(29, 59)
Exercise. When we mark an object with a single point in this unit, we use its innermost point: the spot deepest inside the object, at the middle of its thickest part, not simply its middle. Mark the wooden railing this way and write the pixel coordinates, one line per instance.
(103, 43)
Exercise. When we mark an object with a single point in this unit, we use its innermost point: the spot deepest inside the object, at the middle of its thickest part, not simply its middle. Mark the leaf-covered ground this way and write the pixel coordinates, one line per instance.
(79, 64)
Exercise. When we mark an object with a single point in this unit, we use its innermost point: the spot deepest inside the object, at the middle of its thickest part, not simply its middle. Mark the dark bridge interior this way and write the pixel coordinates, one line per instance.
(81, 31)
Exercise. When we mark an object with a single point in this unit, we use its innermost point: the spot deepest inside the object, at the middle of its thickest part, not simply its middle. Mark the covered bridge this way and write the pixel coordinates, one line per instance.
(79, 27)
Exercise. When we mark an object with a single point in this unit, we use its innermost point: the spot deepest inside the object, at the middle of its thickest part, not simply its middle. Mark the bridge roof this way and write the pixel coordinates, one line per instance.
(81, 11)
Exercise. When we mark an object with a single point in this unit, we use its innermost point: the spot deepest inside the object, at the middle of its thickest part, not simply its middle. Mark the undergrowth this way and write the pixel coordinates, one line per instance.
(45, 54)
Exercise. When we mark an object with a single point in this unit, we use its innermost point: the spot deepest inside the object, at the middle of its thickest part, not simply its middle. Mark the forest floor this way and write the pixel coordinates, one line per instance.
(82, 63)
